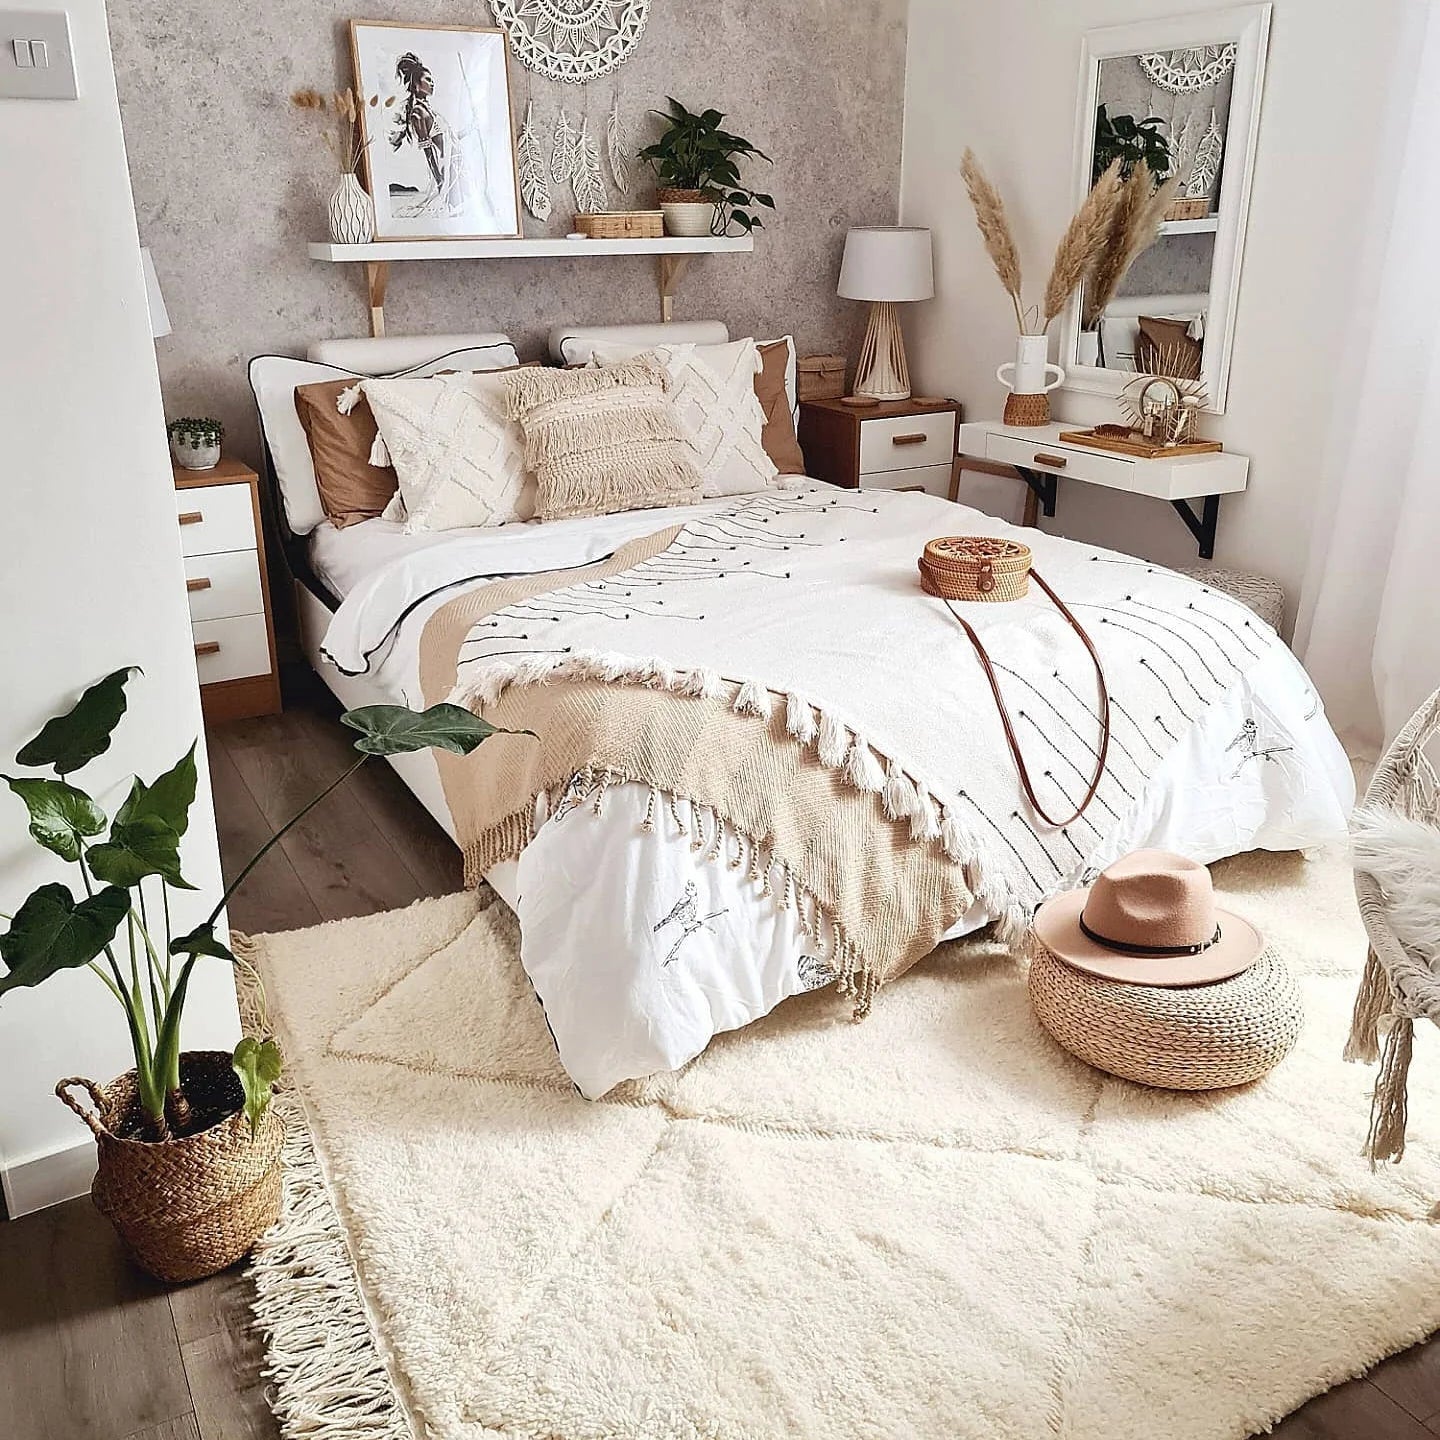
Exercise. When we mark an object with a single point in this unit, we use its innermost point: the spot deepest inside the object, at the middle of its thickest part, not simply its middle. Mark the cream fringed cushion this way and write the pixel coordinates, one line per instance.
(601, 440)
(458, 456)
(712, 388)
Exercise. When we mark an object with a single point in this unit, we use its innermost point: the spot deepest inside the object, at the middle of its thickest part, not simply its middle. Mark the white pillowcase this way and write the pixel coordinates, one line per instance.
(459, 459)
(712, 389)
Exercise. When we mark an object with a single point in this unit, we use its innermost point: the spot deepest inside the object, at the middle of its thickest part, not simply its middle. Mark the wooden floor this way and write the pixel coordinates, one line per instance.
(92, 1350)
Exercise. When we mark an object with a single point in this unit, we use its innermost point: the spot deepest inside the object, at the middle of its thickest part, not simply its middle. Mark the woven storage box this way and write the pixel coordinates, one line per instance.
(1191, 1037)
(622, 225)
(1266, 597)
(820, 377)
(191, 1207)
(1189, 209)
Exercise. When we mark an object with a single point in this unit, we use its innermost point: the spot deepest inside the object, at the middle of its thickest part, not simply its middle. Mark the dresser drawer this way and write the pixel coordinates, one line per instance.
(215, 518)
(932, 478)
(219, 586)
(1082, 463)
(232, 648)
(906, 442)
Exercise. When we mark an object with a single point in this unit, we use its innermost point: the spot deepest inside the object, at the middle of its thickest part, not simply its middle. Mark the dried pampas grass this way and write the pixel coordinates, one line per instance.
(1135, 223)
(994, 229)
(1084, 240)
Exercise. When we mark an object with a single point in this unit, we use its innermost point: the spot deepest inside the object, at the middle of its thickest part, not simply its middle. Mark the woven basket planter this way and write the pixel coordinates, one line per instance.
(1027, 410)
(1192, 1037)
(185, 1208)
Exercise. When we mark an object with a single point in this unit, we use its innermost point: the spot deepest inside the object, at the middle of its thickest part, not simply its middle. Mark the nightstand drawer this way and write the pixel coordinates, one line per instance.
(906, 442)
(932, 478)
(230, 649)
(214, 518)
(1039, 454)
(222, 585)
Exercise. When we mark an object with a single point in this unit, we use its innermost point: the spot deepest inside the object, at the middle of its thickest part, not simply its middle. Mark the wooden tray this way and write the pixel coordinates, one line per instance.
(1140, 448)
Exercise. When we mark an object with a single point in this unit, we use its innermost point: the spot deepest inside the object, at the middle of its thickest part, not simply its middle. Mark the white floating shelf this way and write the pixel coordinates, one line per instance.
(673, 251)
(387, 250)
(1206, 224)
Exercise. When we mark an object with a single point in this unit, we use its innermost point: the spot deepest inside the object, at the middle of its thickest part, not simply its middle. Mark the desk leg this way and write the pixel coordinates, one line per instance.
(1043, 488)
(1203, 525)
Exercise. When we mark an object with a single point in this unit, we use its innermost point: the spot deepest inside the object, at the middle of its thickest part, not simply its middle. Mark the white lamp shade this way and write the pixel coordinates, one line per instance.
(887, 262)
(154, 300)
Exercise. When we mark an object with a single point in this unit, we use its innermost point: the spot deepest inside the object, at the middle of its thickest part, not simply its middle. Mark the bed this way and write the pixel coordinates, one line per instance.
(654, 914)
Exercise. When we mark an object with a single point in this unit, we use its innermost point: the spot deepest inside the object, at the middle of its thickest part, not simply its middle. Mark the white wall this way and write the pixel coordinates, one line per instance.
(1002, 79)
(90, 572)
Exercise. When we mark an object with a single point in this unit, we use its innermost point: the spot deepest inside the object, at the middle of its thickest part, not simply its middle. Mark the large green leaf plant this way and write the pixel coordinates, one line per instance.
(119, 926)
(694, 153)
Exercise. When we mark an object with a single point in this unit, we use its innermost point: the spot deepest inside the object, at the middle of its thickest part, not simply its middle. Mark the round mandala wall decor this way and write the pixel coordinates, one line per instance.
(572, 40)
(1182, 72)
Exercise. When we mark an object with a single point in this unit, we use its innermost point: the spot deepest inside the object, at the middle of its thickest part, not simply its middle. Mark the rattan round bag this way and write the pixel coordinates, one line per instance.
(975, 567)
(1190, 1037)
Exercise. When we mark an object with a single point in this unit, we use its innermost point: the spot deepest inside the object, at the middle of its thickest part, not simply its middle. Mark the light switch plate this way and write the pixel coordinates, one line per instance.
(42, 35)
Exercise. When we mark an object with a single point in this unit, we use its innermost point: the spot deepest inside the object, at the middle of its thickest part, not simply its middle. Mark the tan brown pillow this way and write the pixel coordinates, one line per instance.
(1168, 341)
(351, 488)
(602, 440)
(778, 434)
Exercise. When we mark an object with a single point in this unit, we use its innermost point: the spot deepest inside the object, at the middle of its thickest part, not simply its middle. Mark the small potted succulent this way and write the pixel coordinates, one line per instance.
(699, 187)
(189, 1144)
(195, 444)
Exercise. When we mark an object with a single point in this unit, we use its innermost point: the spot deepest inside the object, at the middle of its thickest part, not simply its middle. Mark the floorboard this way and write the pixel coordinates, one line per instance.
(90, 1349)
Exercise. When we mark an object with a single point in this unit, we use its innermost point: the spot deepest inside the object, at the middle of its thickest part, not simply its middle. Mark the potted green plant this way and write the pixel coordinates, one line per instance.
(189, 1146)
(1130, 141)
(195, 444)
(699, 187)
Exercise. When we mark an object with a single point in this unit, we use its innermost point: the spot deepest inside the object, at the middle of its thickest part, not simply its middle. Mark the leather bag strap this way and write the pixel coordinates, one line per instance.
(1010, 736)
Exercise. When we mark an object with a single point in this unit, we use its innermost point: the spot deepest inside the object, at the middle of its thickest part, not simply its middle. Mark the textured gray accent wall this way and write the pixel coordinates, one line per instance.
(230, 182)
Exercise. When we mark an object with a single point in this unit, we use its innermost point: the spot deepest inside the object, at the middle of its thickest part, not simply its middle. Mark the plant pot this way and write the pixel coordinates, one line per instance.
(687, 212)
(193, 1206)
(351, 213)
(194, 457)
(1029, 381)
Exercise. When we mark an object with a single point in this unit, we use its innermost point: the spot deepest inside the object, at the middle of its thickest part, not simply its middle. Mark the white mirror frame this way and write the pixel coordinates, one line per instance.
(1248, 26)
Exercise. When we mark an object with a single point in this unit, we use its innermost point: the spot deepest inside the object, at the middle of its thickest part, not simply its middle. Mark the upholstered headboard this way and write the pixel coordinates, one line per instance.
(572, 344)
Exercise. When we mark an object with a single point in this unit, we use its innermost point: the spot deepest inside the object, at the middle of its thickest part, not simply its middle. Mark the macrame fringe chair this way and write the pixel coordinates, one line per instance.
(1397, 987)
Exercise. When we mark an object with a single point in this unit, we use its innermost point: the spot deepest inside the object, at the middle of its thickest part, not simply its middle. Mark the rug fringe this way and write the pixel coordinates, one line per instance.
(329, 1380)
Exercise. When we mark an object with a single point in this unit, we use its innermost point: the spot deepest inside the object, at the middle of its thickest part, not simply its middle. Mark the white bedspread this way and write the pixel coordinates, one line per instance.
(1255, 766)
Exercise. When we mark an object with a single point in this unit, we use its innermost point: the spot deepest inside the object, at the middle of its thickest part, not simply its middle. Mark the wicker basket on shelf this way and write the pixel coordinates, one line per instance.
(622, 225)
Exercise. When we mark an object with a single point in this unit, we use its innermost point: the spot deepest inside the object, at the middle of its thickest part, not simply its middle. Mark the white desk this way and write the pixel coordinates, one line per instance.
(1041, 458)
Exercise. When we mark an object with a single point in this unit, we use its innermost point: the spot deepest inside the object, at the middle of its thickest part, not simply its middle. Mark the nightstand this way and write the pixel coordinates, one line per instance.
(228, 590)
(895, 445)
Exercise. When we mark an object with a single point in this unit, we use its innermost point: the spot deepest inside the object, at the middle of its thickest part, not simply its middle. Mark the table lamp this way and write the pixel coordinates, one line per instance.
(885, 264)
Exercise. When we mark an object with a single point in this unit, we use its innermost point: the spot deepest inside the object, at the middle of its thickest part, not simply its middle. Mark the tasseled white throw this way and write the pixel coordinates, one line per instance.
(900, 796)
(862, 769)
(834, 741)
(800, 720)
(753, 699)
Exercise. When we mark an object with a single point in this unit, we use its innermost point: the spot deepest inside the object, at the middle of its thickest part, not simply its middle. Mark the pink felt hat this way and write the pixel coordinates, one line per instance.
(1150, 919)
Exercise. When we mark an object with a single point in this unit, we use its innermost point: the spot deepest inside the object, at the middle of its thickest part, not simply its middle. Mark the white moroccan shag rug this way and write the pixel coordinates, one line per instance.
(931, 1224)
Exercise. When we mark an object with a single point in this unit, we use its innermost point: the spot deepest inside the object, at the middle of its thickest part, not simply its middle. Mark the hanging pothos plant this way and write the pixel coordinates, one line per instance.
(128, 864)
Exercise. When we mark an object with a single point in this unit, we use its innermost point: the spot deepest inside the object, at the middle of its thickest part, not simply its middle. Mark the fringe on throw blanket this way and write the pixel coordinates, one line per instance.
(321, 1358)
(900, 796)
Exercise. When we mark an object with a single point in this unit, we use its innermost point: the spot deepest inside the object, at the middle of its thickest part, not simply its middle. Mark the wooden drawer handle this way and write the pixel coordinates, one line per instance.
(908, 439)
(207, 647)
(1058, 461)
(201, 583)
(191, 517)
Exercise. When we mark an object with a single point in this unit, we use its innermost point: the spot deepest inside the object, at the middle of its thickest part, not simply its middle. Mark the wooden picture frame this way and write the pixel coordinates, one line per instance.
(451, 174)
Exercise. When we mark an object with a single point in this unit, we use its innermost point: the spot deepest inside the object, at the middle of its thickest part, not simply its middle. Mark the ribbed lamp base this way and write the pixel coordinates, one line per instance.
(883, 373)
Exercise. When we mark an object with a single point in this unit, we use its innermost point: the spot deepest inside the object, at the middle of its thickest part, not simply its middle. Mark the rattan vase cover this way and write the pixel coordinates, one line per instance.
(1195, 1037)
(185, 1208)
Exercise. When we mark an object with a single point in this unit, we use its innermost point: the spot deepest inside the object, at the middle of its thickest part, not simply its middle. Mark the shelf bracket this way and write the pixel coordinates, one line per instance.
(377, 279)
(1203, 525)
(672, 267)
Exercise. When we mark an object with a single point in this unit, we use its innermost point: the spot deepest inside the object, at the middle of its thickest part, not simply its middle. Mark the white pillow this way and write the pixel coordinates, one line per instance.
(459, 460)
(274, 378)
(712, 390)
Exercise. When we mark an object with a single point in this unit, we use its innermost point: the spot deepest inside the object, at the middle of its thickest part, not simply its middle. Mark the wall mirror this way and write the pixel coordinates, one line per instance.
(1183, 95)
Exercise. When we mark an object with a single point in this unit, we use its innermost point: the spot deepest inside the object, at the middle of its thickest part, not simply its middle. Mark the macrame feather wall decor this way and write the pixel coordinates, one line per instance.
(562, 150)
(1206, 169)
(534, 176)
(617, 148)
(572, 40)
(586, 179)
(1182, 72)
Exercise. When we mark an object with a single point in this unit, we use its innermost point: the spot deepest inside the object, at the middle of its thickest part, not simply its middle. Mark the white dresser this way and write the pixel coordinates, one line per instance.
(1042, 459)
(228, 590)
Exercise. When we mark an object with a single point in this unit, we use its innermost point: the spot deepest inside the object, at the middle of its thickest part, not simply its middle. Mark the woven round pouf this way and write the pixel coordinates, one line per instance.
(1191, 1037)
(1266, 597)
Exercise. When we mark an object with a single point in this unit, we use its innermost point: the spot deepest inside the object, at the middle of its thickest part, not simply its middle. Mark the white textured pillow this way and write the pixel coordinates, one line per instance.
(712, 389)
(458, 457)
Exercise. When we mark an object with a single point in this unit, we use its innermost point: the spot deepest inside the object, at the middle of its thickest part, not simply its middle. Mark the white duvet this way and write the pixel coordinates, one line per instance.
(1257, 768)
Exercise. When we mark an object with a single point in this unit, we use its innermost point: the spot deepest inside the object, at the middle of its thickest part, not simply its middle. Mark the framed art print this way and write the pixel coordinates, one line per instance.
(440, 160)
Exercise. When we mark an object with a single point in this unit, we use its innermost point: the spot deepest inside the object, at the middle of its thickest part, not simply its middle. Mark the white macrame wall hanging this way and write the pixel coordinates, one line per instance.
(1206, 170)
(1182, 72)
(562, 150)
(617, 148)
(534, 174)
(586, 179)
(572, 40)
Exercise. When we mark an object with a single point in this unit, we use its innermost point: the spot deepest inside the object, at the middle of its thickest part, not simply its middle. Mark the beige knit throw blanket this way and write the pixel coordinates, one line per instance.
(763, 801)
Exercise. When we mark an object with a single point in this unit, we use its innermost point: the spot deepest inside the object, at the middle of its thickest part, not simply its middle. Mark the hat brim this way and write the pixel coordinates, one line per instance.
(1057, 927)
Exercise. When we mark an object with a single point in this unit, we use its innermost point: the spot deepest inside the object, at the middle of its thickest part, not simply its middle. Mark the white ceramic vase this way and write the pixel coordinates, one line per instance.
(194, 457)
(351, 213)
(1030, 372)
(688, 217)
